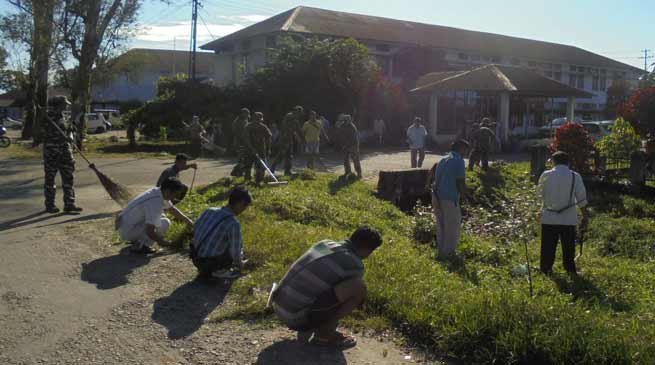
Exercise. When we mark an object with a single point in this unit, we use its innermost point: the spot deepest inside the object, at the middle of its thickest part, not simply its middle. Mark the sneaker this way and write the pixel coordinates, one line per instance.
(52, 210)
(72, 209)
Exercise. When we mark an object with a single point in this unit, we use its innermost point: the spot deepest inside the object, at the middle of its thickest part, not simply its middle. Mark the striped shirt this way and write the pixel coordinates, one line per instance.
(216, 231)
(321, 268)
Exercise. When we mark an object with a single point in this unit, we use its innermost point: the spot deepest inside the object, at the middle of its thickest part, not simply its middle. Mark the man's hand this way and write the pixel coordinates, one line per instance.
(194, 166)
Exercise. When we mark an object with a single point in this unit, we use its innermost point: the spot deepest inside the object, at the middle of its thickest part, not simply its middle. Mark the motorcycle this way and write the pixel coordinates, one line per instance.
(4, 140)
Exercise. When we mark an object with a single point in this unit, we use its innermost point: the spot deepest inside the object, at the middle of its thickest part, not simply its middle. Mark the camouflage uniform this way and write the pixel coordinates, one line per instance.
(240, 143)
(258, 138)
(58, 157)
(289, 132)
(196, 132)
(483, 141)
(348, 139)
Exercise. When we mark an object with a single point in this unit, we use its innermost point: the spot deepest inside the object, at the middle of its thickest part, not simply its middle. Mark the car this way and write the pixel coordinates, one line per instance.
(548, 130)
(11, 123)
(113, 116)
(96, 123)
(597, 130)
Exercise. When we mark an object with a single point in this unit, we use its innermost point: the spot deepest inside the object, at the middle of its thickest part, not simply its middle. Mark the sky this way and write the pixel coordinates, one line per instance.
(618, 29)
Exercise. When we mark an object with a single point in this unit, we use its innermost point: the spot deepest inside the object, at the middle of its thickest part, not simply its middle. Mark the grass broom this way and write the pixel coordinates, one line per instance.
(117, 191)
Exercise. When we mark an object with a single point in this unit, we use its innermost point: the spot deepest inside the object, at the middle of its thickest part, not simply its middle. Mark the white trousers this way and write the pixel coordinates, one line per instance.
(137, 232)
(449, 222)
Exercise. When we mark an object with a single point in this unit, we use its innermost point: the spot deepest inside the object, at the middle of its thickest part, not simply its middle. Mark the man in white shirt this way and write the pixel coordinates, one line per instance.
(143, 221)
(416, 135)
(561, 190)
(379, 128)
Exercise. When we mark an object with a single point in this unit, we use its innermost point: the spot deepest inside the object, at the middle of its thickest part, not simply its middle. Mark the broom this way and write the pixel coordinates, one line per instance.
(117, 191)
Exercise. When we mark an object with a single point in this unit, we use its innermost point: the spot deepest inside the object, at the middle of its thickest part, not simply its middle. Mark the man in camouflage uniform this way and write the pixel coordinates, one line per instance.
(348, 139)
(483, 140)
(196, 134)
(58, 157)
(240, 141)
(290, 132)
(259, 143)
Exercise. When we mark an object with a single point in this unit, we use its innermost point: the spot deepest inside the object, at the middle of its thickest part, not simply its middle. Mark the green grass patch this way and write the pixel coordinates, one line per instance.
(476, 308)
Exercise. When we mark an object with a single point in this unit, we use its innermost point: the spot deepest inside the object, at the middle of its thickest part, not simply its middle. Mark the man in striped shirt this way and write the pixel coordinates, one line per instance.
(324, 285)
(217, 243)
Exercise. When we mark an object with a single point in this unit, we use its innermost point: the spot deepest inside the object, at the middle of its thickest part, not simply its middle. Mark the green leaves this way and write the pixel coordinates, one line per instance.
(622, 142)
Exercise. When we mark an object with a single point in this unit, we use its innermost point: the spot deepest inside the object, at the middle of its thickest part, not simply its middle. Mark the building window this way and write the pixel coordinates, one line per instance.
(573, 79)
(382, 47)
(603, 83)
(462, 56)
(244, 64)
(580, 81)
(495, 59)
(595, 81)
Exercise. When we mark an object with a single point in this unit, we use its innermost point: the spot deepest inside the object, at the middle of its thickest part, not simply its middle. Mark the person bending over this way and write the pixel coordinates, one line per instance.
(324, 285)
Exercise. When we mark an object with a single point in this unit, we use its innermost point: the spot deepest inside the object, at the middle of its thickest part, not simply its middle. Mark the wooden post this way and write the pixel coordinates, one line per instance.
(638, 170)
(538, 159)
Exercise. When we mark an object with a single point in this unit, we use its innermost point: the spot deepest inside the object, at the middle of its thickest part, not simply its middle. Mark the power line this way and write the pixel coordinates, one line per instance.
(206, 27)
(646, 57)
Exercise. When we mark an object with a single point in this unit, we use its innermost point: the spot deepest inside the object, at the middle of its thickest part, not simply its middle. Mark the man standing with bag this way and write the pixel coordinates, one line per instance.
(561, 190)
(448, 188)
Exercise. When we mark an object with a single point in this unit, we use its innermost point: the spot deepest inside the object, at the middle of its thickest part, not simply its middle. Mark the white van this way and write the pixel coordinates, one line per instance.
(113, 116)
(96, 123)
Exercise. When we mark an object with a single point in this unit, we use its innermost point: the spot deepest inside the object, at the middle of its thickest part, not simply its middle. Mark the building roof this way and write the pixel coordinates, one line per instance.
(17, 98)
(497, 78)
(309, 20)
(170, 61)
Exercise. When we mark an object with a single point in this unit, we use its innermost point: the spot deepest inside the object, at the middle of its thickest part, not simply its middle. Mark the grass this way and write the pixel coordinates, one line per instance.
(476, 308)
(102, 147)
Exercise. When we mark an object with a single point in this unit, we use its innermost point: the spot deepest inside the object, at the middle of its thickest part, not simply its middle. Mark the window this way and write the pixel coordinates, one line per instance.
(557, 67)
(244, 64)
(475, 58)
(573, 79)
(573, 68)
(580, 81)
(382, 47)
(462, 56)
(603, 83)
(595, 81)
(495, 59)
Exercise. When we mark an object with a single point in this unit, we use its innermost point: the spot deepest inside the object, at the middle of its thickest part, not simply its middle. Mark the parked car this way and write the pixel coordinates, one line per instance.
(597, 130)
(11, 123)
(113, 116)
(548, 130)
(96, 123)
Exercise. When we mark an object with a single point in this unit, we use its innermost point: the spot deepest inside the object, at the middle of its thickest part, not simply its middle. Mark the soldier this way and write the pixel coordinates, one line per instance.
(348, 139)
(312, 130)
(240, 141)
(258, 139)
(289, 133)
(484, 140)
(58, 156)
(197, 133)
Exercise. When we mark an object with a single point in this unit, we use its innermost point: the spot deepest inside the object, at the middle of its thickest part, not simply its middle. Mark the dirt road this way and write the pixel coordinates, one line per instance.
(68, 296)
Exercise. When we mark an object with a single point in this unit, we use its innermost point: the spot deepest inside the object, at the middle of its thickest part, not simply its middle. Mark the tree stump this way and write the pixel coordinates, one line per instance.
(538, 158)
(404, 188)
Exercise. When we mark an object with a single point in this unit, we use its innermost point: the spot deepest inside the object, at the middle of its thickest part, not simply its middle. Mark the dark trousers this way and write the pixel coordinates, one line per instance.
(284, 154)
(477, 156)
(207, 265)
(421, 157)
(550, 235)
(351, 154)
(58, 158)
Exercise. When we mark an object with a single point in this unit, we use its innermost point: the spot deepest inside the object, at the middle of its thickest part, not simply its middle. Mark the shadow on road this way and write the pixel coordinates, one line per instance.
(111, 272)
(27, 220)
(293, 352)
(80, 218)
(185, 309)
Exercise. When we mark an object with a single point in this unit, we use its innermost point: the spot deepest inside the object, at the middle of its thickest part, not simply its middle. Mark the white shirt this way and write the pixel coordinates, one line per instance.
(147, 208)
(378, 126)
(416, 136)
(555, 190)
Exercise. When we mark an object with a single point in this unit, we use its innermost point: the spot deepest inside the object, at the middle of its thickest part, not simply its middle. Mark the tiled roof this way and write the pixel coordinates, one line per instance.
(364, 27)
(497, 78)
(170, 61)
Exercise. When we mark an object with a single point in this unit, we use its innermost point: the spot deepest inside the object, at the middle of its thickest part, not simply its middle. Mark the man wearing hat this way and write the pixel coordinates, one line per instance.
(58, 156)
(483, 139)
(562, 190)
(290, 133)
(196, 132)
(240, 141)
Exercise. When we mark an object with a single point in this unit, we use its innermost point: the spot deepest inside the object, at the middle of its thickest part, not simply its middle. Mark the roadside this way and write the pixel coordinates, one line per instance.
(68, 296)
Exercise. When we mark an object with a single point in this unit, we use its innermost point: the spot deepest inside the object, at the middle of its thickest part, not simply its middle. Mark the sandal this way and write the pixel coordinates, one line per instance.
(339, 340)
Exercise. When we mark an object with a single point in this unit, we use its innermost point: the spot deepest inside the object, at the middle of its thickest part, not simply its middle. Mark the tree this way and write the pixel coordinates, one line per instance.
(574, 139)
(617, 94)
(640, 110)
(93, 29)
(621, 142)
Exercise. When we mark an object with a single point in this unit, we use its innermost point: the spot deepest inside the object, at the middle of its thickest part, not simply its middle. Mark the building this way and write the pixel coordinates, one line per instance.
(135, 74)
(407, 50)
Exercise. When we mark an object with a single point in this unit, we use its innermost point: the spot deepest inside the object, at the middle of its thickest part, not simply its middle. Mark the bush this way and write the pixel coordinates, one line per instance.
(621, 142)
(640, 110)
(574, 139)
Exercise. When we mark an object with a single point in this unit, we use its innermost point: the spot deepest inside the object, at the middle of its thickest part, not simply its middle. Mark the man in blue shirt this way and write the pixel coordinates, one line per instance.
(448, 187)
(217, 242)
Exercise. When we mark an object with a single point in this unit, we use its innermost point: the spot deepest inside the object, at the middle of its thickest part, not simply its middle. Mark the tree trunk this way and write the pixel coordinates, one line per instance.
(81, 96)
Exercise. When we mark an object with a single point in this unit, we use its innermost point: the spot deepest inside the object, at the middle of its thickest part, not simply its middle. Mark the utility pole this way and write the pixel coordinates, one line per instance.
(194, 26)
(646, 57)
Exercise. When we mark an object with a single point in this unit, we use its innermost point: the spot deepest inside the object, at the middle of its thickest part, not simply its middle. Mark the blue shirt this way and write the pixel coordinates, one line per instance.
(450, 169)
(216, 231)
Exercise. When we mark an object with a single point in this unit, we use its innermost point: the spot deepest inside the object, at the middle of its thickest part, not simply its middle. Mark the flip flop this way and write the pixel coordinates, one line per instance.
(339, 340)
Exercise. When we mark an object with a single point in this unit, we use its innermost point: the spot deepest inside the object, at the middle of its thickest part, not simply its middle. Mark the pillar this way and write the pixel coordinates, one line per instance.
(503, 117)
(570, 109)
(433, 114)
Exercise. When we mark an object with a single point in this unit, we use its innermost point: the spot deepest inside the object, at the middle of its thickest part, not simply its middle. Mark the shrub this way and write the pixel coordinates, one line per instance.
(640, 110)
(574, 139)
(622, 142)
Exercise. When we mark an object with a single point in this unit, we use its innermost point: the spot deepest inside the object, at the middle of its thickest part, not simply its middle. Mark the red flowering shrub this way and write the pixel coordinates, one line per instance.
(640, 110)
(573, 139)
